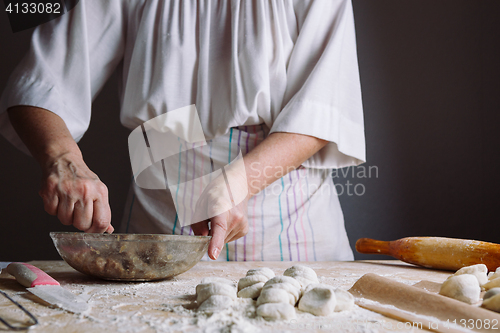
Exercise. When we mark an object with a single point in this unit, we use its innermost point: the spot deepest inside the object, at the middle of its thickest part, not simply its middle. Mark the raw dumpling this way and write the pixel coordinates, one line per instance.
(205, 290)
(283, 292)
(252, 291)
(463, 287)
(275, 295)
(267, 272)
(276, 311)
(290, 288)
(305, 275)
(318, 300)
(251, 285)
(345, 300)
(492, 303)
(493, 283)
(210, 279)
(490, 293)
(494, 275)
(284, 279)
(480, 271)
(215, 303)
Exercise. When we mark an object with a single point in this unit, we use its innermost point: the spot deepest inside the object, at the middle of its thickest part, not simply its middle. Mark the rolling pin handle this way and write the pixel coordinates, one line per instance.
(372, 246)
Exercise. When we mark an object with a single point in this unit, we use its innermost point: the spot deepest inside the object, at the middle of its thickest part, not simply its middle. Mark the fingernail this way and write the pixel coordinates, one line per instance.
(215, 253)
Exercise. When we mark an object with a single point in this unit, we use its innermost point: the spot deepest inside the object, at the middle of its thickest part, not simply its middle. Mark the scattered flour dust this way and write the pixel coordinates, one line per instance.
(169, 306)
(177, 312)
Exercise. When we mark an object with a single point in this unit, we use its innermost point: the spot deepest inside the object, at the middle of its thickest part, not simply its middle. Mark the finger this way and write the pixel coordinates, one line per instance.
(50, 202)
(200, 228)
(235, 236)
(110, 229)
(65, 210)
(101, 217)
(238, 226)
(219, 231)
(82, 214)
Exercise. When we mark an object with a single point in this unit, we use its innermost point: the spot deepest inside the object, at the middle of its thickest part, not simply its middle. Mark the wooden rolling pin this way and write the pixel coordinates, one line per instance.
(435, 252)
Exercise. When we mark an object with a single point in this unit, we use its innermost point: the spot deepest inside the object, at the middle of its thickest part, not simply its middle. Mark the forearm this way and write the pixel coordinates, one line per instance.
(70, 189)
(277, 155)
(44, 133)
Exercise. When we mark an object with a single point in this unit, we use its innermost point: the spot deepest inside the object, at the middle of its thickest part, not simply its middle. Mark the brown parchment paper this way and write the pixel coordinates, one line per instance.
(411, 304)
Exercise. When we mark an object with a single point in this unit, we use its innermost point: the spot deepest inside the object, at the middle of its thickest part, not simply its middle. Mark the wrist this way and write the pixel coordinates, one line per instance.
(53, 157)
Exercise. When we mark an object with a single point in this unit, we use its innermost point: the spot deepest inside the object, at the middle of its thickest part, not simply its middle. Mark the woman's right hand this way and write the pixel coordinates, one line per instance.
(75, 194)
(69, 189)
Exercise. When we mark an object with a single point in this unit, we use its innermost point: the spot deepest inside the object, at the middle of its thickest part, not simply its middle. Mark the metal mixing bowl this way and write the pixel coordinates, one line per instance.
(130, 257)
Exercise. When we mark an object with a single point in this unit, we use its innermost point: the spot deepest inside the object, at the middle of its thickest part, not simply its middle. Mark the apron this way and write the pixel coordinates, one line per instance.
(296, 218)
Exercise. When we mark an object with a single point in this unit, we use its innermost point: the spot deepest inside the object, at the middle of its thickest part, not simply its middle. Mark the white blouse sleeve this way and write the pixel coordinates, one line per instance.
(323, 94)
(70, 59)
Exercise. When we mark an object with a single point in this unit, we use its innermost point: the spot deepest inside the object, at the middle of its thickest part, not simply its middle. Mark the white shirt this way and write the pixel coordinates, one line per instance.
(288, 66)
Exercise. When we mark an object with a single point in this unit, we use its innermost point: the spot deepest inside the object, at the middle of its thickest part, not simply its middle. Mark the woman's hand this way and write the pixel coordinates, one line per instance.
(76, 195)
(69, 190)
(225, 204)
(224, 228)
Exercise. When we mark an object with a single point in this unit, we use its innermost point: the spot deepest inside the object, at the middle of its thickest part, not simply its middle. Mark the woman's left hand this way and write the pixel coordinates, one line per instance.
(224, 228)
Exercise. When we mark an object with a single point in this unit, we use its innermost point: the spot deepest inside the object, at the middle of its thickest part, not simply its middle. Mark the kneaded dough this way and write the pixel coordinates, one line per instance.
(250, 280)
(210, 279)
(305, 275)
(493, 283)
(492, 303)
(318, 300)
(276, 311)
(275, 295)
(284, 279)
(252, 291)
(215, 303)
(490, 293)
(267, 272)
(495, 274)
(463, 287)
(251, 285)
(291, 289)
(480, 271)
(345, 300)
(205, 290)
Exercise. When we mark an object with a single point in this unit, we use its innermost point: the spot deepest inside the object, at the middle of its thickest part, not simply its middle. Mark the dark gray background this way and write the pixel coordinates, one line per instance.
(429, 73)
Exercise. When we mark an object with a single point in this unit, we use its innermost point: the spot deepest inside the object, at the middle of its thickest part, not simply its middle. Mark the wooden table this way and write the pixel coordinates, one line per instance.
(165, 306)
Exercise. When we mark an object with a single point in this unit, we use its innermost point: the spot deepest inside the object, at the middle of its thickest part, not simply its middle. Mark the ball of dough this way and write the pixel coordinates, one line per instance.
(492, 303)
(305, 275)
(291, 289)
(495, 274)
(205, 290)
(210, 279)
(251, 285)
(276, 311)
(480, 271)
(345, 300)
(267, 272)
(250, 280)
(215, 303)
(284, 279)
(318, 300)
(490, 293)
(252, 291)
(464, 287)
(275, 295)
(493, 283)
